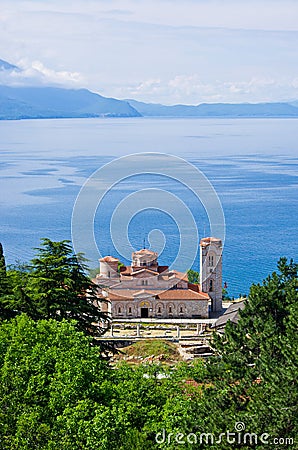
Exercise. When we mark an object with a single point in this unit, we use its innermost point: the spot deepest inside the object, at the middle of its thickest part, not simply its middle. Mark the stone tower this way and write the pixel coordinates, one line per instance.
(109, 267)
(211, 270)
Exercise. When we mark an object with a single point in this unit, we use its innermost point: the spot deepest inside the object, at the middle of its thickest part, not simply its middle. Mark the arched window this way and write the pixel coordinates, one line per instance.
(159, 308)
(210, 285)
(170, 309)
(129, 310)
(210, 260)
(119, 310)
(181, 309)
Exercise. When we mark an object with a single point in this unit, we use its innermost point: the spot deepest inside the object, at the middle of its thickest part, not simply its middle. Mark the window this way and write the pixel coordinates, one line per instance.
(144, 282)
(210, 285)
(170, 310)
(181, 309)
(109, 274)
(119, 310)
(159, 310)
(129, 310)
(210, 260)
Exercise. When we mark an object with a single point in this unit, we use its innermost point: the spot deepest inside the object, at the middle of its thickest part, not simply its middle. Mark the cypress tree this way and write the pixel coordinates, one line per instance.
(3, 274)
(4, 286)
(55, 286)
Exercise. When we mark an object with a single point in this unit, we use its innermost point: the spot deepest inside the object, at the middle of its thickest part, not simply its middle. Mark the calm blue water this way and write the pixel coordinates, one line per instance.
(252, 164)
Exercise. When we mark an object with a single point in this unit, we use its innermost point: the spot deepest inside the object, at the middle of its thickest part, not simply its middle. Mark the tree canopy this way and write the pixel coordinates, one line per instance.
(57, 391)
(54, 286)
(258, 358)
(193, 276)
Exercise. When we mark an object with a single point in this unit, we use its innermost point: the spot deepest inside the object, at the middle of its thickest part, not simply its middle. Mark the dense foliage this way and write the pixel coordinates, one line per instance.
(53, 286)
(193, 276)
(259, 357)
(56, 391)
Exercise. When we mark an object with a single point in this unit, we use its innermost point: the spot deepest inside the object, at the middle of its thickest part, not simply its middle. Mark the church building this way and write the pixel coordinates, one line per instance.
(145, 289)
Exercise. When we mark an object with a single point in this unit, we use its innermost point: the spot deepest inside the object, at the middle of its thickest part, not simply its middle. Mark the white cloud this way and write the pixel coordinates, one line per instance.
(192, 90)
(163, 51)
(54, 76)
(35, 73)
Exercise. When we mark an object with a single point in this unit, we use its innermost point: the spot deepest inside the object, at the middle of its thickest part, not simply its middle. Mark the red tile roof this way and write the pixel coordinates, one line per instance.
(182, 294)
(144, 291)
(145, 251)
(125, 270)
(109, 259)
(162, 269)
(171, 294)
(206, 241)
(180, 275)
(121, 294)
(144, 269)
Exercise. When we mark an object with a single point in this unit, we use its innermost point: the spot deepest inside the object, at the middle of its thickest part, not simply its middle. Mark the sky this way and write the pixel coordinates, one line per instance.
(160, 51)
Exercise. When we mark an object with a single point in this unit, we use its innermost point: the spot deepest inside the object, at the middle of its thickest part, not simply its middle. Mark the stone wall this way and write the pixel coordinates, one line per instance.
(160, 308)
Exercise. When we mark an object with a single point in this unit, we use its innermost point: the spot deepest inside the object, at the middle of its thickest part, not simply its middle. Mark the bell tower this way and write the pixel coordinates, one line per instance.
(211, 270)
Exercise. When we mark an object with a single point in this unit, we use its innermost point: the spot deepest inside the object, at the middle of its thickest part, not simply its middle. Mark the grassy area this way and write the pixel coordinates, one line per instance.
(154, 348)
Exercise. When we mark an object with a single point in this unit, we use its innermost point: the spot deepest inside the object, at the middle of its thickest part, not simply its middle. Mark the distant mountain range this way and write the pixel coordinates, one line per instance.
(50, 102)
(53, 102)
(217, 109)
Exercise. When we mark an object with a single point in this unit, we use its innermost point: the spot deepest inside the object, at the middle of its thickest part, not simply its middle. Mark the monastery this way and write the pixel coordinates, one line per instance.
(147, 290)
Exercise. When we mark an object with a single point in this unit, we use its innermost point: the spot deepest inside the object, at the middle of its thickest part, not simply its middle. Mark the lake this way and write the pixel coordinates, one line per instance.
(251, 163)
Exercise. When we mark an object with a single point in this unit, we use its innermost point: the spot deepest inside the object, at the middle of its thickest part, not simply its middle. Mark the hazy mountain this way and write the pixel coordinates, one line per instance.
(50, 102)
(157, 109)
(53, 102)
(217, 110)
(4, 65)
(294, 103)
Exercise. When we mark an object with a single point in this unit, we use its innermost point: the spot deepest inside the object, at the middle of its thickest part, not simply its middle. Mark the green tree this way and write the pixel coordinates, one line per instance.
(48, 372)
(264, 317)
(258, 358)
(193, 276)
(94, 272)
(56, 287)
(5, 290)
(225, 294)
(55, 387)
(3, 274)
